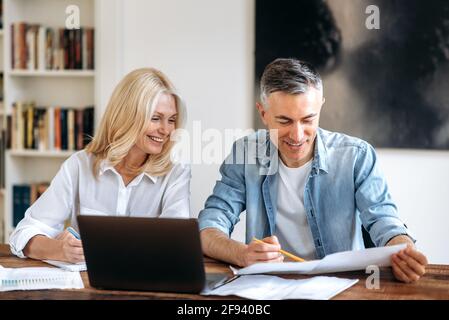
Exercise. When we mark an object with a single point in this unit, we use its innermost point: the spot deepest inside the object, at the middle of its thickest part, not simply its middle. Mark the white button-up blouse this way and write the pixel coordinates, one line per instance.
(75, 190)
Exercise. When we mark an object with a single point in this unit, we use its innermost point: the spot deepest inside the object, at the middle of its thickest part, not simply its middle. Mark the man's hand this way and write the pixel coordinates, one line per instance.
(71, 248)
(262, 252)
(408, 265)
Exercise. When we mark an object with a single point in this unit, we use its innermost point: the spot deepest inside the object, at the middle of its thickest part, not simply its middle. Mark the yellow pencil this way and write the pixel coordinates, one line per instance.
(285, 253)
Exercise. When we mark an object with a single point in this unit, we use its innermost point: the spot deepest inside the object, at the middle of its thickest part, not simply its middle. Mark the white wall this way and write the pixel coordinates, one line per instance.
(419, 183)
(109, 51)
(206, 47)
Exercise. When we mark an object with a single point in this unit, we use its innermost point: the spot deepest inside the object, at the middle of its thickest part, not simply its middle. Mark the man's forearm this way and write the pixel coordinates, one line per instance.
(217, 245)
(41, 247)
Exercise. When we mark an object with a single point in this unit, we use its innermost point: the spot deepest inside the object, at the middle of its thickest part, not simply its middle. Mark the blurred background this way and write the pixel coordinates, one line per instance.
(387, 86)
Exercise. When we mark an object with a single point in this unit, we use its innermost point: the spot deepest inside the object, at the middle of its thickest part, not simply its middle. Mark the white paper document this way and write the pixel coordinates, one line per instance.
(38, 278)
(336, 262)
(263, 287)
(68, 266)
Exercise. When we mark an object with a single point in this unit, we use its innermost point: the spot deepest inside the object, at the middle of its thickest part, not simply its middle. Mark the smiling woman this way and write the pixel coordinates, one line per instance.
(126, 170)
(163, 122)
(144, 109)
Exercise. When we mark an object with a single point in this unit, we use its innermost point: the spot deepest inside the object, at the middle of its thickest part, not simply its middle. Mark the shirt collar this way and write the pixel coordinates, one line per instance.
(266, 153)
(320, 154)
(106, 165)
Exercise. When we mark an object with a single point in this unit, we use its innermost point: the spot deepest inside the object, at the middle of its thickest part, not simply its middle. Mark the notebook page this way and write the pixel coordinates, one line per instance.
(68, 266)
(38, 278)
(357, 259)
(336, 262)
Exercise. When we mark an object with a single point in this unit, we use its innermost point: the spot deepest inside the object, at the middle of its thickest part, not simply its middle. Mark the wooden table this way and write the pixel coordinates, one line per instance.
(434, 285)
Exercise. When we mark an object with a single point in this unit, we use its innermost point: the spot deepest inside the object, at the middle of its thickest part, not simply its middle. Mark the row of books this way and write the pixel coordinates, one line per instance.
(49, 128)
(24, 195)
(36, 47)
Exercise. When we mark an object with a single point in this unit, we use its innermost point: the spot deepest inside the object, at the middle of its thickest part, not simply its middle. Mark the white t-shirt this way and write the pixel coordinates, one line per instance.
(292, 227)
(75, 190)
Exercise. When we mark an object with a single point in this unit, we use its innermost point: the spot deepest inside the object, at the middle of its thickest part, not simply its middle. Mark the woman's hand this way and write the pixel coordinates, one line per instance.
(71, 248)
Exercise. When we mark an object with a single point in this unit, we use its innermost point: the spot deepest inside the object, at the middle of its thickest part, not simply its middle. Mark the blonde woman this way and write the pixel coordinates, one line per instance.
(125, 171)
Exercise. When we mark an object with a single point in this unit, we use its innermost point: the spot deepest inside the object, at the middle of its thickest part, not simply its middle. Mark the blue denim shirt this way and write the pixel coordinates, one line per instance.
(344, 190)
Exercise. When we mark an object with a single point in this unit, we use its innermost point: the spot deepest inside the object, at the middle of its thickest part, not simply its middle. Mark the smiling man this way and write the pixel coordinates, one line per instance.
(304, 189)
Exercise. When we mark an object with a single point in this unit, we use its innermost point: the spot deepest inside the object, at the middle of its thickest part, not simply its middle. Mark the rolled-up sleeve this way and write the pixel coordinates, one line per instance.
(228, 200)
(48, 214)
(378, 212)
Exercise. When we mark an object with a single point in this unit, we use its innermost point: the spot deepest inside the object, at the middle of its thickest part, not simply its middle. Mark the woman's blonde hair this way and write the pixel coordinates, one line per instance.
(127, 117)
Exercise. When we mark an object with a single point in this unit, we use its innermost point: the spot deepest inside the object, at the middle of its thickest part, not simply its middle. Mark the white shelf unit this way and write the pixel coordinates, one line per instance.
(2, 125)
(50, 73)
(39, 154)
(67, 88)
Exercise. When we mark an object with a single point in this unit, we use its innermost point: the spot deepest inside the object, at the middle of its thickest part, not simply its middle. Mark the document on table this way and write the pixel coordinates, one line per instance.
(336, 262)
(68, 266)
(263, 287)
(38, 278)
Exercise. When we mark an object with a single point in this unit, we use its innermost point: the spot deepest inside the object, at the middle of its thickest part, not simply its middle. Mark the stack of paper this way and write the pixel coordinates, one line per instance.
(262, 287)
(337, 262)
(251, 286)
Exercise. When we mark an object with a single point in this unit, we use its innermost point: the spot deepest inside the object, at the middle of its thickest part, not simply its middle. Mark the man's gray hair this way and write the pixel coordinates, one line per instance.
(290, 76)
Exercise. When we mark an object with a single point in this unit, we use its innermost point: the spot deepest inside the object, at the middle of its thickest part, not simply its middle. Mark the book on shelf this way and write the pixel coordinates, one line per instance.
(1, 88)
(24, 195)
(37, 47)
(64, 130)
(49, 128)
(1, 14)
(2, 157)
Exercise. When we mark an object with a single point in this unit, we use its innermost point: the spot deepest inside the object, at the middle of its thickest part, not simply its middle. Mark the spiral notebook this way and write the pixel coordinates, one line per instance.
(38, 278)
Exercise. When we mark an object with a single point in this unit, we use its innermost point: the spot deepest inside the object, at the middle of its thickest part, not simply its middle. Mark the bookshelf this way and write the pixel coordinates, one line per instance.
(2, 126)
(48, 89)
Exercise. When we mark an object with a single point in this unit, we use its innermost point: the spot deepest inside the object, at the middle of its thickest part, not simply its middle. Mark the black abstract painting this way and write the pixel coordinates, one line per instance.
(389, 86)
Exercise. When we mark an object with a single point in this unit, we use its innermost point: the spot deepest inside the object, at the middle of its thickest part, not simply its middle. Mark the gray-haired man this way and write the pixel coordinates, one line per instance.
(304, 189)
